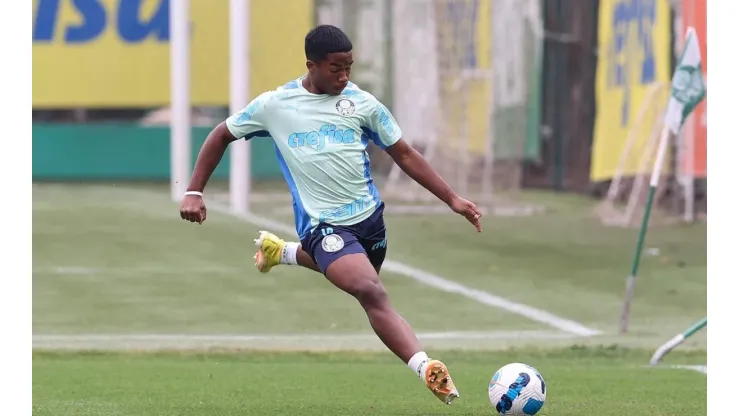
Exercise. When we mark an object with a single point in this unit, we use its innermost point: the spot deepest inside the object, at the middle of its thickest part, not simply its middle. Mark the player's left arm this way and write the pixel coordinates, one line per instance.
(414, 165)
(387, 135)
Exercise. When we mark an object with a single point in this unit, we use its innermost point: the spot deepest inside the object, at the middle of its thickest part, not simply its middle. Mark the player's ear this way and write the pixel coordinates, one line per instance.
(310, 65)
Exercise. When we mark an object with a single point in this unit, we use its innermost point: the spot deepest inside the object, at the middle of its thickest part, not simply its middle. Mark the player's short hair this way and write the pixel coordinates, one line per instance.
(325, 39)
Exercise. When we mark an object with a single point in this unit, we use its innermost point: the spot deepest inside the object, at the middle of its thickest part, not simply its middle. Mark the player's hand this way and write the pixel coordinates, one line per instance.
(193, 209)
(468, 210)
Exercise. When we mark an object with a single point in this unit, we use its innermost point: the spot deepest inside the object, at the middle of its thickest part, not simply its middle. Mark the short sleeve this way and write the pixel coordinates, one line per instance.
(250, 121)
(385, 131)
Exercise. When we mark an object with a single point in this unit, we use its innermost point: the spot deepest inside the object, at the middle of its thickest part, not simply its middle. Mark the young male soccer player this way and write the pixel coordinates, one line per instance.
(321, 125)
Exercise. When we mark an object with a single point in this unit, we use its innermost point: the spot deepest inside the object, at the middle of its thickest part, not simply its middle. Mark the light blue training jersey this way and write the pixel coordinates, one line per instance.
(321, 143)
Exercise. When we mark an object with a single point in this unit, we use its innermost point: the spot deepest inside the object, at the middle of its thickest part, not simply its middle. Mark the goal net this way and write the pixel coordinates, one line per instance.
(466, 79)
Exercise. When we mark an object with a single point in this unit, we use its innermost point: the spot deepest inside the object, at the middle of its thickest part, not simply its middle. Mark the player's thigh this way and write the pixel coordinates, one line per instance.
(354, 274)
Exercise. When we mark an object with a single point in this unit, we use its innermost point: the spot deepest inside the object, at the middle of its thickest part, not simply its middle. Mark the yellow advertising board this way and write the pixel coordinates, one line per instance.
(479, 113)
(466, 47)
(115, 53)
(634, 55)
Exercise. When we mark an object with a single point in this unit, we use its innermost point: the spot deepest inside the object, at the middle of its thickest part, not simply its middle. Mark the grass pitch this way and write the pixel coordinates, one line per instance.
(580, 381)
(111, 262)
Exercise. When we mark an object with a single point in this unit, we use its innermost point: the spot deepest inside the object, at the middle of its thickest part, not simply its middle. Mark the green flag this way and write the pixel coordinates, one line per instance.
(687, 86)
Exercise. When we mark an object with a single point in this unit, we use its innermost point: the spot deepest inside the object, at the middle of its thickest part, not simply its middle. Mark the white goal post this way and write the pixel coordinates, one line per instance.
(180, 122)
(240, 168)
(179, 98)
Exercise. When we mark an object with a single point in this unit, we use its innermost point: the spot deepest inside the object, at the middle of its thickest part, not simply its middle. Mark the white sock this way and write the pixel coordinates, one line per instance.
(418, 363)
(290, 253)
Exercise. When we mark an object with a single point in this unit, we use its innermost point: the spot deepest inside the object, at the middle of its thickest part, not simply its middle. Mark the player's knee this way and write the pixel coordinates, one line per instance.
(371, 294)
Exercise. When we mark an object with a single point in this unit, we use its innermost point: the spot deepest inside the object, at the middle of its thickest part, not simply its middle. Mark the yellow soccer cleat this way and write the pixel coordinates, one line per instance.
(439, 381)
(270, 251)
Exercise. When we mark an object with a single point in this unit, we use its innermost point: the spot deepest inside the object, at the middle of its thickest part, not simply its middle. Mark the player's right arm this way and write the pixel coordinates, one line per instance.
(246, 124)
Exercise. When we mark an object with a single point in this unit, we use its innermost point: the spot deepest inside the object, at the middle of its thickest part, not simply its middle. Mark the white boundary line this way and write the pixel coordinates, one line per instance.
(311, 342)
(80, 270)
(443, 284)
(246, 338)
(699, 368)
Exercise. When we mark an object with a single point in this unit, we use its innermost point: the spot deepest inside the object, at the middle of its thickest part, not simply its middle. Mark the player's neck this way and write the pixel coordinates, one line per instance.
(308, 85)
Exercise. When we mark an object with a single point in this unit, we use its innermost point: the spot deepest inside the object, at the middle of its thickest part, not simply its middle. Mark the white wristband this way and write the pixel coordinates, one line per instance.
(200, 194)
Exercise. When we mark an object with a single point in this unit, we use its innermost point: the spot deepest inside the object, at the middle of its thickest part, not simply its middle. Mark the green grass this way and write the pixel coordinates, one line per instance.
(117, 260)
(111, 260)
(567, 262)
(594, 381)
(564, 261)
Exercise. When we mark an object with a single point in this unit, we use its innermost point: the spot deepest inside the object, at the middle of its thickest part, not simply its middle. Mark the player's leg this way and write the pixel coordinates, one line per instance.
(366, 287)
(304, 259)
(362, 283)
(376, 247)
(375, 242)
(351, 267)
(354, 274)
(273, 250)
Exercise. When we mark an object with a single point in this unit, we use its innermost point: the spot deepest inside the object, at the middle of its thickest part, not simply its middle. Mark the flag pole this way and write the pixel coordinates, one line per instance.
(687, 91)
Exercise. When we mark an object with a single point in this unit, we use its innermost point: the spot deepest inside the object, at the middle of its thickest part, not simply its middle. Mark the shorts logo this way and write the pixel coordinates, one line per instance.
(332, 243)
(379, 244)
(345, 107)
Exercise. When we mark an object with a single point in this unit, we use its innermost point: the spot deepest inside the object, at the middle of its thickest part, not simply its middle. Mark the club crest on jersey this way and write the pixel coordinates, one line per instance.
(345, 107)
(332, 243)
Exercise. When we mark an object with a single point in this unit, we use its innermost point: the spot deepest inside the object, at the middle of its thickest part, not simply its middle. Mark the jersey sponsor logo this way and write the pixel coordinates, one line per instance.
(318, 139)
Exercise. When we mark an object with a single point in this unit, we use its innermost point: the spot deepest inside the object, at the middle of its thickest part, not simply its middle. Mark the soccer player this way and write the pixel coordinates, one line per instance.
(321, 125)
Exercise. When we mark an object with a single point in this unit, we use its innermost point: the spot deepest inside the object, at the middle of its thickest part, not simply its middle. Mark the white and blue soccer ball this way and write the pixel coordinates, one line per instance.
(517, 389)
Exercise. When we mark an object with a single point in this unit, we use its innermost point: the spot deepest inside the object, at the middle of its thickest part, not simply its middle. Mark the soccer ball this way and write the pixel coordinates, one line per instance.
(517, 389)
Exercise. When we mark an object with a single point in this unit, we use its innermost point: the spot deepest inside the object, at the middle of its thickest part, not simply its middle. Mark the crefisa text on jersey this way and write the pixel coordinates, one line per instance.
(318, 139)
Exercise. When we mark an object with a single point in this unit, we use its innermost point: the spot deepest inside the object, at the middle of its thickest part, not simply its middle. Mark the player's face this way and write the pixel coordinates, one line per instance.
(331, 75)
